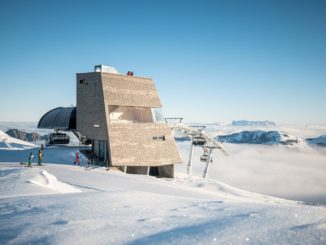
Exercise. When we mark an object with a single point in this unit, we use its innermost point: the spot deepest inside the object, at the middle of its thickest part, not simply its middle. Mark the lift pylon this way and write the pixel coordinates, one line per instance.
(198, 138)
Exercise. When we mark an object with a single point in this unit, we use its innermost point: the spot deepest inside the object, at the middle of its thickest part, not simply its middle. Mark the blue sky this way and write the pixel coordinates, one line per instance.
(211, 60)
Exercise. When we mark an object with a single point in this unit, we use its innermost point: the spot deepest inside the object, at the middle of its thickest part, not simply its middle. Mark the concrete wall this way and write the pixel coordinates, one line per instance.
(166, 171)
(137, 170)
(91, 109)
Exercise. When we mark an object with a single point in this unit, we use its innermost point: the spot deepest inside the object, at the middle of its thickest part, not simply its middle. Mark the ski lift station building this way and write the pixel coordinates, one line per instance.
(121, 115)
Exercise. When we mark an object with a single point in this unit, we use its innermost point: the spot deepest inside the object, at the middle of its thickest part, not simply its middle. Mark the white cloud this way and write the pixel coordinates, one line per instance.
(274, 170)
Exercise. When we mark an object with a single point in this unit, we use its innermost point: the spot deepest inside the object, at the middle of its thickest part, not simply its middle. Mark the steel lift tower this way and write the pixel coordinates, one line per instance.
(198, 138)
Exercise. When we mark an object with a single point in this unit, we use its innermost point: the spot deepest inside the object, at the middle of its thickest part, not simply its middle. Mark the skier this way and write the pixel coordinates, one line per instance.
(77, 158)
(40, 157)
(30, 158)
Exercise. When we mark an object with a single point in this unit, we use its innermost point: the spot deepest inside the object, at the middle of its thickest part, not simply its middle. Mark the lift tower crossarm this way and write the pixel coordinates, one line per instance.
(198, 137)
(198, 132)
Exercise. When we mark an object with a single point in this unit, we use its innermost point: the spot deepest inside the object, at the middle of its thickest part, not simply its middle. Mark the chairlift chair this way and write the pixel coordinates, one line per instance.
(204, 158)
(198, 141)
(58, 139)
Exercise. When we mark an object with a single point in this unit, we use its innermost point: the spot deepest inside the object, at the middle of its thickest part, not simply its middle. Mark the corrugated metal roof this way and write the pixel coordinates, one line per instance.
(63, 118)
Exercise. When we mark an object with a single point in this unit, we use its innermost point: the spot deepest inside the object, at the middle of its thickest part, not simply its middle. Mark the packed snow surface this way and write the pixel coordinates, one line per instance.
(20, 181)
(117, 208)
(47, 180)
(65, 204)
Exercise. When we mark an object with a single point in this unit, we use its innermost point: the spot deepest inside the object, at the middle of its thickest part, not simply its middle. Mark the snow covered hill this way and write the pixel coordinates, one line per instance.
(22, 135)
(260, 137)
(321, 140)
(19, 181)
(10, 143)
(111, 207)
(246, 123)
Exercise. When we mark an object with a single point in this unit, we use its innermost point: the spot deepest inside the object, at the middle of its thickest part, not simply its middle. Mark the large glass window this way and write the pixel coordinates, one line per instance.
(130, 114)
(158, 115)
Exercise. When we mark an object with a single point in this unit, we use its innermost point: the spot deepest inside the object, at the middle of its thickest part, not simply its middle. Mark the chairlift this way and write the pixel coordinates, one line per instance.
(198, 141)
(200, 138)
(58, 139)
(204, 158)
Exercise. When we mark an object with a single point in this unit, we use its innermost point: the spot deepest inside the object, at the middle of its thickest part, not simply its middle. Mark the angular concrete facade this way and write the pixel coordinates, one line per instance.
(119, 114)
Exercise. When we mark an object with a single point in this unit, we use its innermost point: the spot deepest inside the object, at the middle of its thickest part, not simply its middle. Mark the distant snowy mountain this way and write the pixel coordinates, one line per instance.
(9, 143)
(321, 140)
(260, 137)
(22, 135)
(182, 138)
(253, 123)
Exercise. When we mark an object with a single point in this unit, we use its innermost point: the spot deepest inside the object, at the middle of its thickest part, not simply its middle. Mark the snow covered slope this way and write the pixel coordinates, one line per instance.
(22, 135)
(44, 179)
(20, 181)
(110, 207)
(116, 208)
(10, 143)
(260, 137)
(321, 140)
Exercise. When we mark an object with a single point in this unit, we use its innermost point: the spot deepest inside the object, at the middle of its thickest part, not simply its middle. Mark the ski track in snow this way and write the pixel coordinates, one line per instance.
(8, 178)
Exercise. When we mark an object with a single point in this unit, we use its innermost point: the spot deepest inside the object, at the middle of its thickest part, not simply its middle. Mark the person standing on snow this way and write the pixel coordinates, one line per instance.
(30, 159)
(77, 161)
(40, 157)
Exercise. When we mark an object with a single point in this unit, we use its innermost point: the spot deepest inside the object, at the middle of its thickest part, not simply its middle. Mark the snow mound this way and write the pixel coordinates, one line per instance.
(10, 143)
(47, 180)
(321, 140)
(260, 137)
(225, 191)
(265, 123)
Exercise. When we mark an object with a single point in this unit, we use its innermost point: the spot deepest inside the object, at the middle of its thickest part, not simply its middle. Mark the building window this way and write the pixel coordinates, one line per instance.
(82, 81)
(159, 138)
(130, 114)
(158, 115)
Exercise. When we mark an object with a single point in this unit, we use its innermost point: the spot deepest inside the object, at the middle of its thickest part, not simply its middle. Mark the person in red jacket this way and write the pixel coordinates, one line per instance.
(77, 161)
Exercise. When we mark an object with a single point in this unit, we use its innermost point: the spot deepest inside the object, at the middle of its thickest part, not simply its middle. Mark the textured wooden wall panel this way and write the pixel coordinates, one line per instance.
(133, 145)
(129, 144)
(91, 106)
(130, 91)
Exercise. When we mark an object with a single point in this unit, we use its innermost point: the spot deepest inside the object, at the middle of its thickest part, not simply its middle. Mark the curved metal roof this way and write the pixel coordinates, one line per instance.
(63, 118)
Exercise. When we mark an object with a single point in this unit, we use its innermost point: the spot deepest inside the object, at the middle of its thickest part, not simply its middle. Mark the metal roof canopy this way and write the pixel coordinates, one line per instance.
(61, 118)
